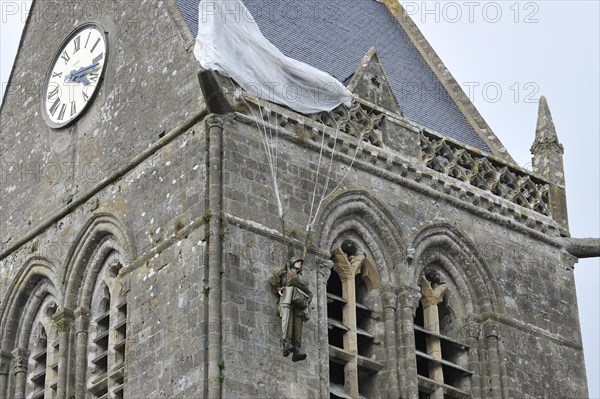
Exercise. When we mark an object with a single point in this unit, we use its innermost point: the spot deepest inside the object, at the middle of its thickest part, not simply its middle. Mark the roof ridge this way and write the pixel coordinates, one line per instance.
(456, 93)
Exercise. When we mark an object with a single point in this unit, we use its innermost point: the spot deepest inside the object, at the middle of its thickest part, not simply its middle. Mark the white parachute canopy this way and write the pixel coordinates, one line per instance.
(229, 41)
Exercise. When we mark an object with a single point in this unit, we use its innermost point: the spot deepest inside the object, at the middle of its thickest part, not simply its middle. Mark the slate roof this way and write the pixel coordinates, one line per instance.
(334, 35)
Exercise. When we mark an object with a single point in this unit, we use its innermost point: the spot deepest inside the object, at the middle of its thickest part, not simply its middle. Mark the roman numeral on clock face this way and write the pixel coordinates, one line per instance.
(61, 114)
(94, 47)
(77, 44)
(98, 58)
(53, 93)
(73, 108)
(87, 40)
(65, 56)
(56, 74)
(54, 106)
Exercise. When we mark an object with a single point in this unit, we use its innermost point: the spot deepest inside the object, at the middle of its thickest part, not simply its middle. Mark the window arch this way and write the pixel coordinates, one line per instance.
(354, 323)
(28, 334)
(471, 353)
(107, 333)
(42, 348)
(440, 347)
(93, 286)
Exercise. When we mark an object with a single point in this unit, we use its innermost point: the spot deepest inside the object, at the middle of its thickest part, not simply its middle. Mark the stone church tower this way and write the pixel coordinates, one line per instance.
(140, 223)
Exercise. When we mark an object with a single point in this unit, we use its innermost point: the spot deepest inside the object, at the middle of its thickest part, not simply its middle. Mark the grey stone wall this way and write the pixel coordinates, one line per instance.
(43, 169)
(160, 203)
(532, 281)
(507, 266)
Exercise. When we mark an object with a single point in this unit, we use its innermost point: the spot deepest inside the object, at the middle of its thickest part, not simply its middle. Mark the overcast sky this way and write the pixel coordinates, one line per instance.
(525, 50)
(505, 55)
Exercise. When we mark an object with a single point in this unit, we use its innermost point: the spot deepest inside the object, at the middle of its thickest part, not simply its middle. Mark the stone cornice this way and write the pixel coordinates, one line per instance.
(410, 172)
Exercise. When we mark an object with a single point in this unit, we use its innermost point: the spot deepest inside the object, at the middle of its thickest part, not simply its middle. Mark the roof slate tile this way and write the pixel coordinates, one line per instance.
(334, 36)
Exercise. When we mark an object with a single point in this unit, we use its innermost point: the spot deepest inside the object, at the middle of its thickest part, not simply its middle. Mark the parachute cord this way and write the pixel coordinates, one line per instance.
(337, 130)
(272, 166)
(265, 141)
(324, 197)
(309, 226)
(312, 203)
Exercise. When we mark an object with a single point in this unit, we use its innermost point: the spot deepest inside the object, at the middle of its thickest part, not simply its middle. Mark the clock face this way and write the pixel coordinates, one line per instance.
(74, 75)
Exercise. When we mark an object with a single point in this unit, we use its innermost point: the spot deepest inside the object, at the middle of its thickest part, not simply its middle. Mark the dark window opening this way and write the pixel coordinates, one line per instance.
(336, 337)
(334, 284)
(451, 369)
(423, 395)
(366, 383)
(335, 309)
(365, 345)
(422, 367)
(419, 316)
(336, 374)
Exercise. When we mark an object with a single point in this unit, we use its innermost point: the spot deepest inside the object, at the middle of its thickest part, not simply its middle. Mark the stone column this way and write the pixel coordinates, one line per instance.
(81, 330)
(503, 369)
(408, 300)
(390, 304)
(490, 331)
(432, 296)
(323, 272)
(472, 330)
(5, 358)
(20, 358)
(350, 337)
(63, 319)
(215, 127)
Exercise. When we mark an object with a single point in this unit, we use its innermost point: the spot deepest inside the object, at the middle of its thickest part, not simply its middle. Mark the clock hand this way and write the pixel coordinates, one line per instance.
(81, 71)
(81, 79)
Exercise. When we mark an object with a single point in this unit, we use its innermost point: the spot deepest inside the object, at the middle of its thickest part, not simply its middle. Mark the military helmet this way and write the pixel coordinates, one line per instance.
(295, 259)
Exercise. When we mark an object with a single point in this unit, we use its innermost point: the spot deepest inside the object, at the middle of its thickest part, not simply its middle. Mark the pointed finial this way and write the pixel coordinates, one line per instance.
(547, 162)
(545, 132)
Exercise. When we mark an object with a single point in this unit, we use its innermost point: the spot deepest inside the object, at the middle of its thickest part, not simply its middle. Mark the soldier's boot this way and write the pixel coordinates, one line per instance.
(298, 355)
(287, 347)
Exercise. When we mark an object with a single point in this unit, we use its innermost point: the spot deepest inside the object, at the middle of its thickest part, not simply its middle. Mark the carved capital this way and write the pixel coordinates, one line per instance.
(472, 328)
(81, 319)
(490, 329)
(433, 294)
(389, 299)
(409, 298)
(341, 264)
(63, 315)
(214, 121)
(324, 267)
(20, 356)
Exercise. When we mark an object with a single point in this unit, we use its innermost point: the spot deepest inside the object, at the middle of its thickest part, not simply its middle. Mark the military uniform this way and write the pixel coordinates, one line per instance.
(294, 298)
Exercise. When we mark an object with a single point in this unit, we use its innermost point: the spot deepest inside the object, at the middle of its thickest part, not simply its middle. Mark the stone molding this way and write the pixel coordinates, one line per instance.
(20, 357)
(409, 297)
(502, 180)
(411, 172)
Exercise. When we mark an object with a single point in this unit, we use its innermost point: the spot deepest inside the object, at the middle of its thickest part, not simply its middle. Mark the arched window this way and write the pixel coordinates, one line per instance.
(30, 336)
(353, 315)
(107, 334)
(442, 355)
(42, 367)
